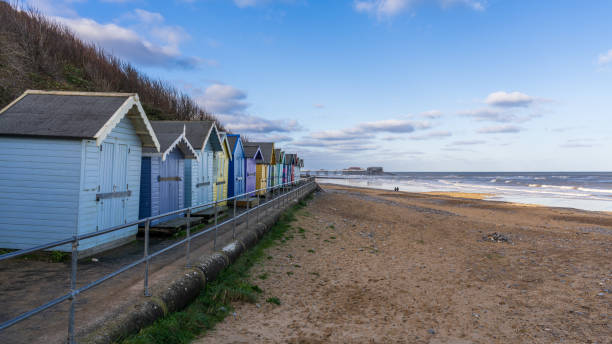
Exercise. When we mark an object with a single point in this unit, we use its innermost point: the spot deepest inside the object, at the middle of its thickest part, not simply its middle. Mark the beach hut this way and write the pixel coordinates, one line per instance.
(221, 167)
(162, 178)
(298, 169)
(280, 159)
(252, 157)
(264, 166)
(237, 166)
(199, 175)
(285, 168)
(71, 165)
(291, 158)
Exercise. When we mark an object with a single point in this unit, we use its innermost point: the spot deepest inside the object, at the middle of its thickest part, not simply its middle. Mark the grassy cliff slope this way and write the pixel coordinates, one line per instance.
(37, 53)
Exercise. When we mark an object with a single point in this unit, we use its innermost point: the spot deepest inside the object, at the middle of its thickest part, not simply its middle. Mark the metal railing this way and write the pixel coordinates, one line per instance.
(281, 194)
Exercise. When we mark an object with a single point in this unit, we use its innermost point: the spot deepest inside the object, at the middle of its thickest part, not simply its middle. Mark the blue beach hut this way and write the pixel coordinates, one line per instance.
(199, 174)
(162, 182)
(71, 165)
(237, 166)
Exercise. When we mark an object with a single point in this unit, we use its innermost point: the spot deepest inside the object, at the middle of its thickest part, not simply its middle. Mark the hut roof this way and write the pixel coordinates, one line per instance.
(198, 133)
(290, 159)
(171, 135)
(234, 140)
(252, 151)
(76, 115)
(279, 155)
(225, 143)
(267, 151)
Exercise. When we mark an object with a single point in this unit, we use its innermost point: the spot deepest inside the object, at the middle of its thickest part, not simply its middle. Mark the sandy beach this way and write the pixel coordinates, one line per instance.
(373, 266)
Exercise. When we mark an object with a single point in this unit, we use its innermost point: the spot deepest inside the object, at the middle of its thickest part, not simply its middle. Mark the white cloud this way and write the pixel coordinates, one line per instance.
(249, 124)
(148, 17)
(432, 135)
(579, 143)
(501, 129)
(393, 126)
(369, 129)
(433, 114)
(389, 8)
(341, 135)
(489, 115)
(276, 138)
(224, 99)
(319, 106)
(468, 142)
(383, 8)
(230, 106)
(512, 99)
(473, 4)
(51, 7)
(159, 45)
(253, 3)
(605, 58)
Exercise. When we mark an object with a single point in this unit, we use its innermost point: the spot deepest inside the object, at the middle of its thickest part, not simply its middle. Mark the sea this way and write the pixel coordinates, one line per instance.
(579, 190)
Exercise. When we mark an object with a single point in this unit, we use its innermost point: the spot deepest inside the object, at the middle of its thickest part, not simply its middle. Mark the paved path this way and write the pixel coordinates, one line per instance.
(26, 284)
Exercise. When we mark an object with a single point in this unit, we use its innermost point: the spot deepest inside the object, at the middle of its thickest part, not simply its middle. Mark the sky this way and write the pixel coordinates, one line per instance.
(410, 85)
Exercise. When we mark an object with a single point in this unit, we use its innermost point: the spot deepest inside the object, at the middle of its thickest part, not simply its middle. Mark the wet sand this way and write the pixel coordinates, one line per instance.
(373, 266)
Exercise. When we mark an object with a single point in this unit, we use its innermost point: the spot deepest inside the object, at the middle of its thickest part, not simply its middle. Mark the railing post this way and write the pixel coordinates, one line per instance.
(234, 228)
(215, 242)
(257, 213)
(248, 212)
(188, 226)
(73, 276)
(146, 256)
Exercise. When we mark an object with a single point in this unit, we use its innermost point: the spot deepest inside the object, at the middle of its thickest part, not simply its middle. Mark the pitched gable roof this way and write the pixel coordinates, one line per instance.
(170, 135)
(198, 133)
(267, 151)
(252, 151)
(278, 154)
(235, 141)
(290, 159)
(76, 115)
(226, 145)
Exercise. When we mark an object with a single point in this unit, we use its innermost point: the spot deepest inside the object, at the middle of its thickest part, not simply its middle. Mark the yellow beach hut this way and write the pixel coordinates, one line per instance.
(221, 167)
(264, 167)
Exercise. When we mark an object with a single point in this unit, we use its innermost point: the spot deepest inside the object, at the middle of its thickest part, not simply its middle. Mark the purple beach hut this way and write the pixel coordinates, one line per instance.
(252, 154)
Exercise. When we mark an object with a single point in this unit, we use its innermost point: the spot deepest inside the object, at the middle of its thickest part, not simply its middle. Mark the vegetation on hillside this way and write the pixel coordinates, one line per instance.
(38, 53)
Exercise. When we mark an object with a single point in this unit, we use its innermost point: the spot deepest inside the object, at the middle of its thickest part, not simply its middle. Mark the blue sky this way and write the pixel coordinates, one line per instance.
(411, 85)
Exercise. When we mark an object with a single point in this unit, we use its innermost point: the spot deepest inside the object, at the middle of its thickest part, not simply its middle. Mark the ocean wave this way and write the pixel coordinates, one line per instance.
(595, 190)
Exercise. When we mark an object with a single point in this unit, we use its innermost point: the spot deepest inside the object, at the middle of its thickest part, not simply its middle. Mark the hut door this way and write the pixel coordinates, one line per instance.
(120, 185)
(204, 179)
(209, 176)
(113, 182)
(169, 184)
(107, 154)
(239, 165)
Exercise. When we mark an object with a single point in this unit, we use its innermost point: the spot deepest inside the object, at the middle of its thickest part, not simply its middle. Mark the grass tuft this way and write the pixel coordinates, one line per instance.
(274, 300)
